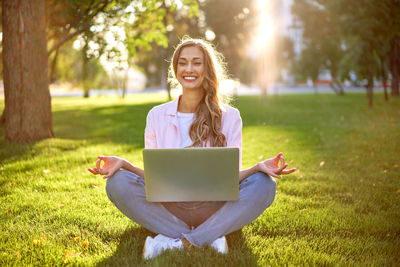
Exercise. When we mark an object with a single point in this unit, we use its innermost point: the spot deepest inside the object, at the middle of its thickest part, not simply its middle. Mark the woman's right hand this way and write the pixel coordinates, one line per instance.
(111, 165)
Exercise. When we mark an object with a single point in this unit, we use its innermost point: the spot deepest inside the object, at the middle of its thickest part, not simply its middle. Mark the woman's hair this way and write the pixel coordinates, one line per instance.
(206, 127)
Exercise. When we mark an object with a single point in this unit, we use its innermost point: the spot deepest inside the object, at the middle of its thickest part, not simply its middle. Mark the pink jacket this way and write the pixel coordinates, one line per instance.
(162, 128)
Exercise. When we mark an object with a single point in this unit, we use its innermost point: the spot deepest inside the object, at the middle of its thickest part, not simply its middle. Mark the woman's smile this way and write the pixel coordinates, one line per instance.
(190, 69)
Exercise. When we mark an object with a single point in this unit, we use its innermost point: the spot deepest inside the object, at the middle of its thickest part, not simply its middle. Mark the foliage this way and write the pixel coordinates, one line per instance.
(340, 208)
(322, 39)
(232, 22)
(362, 37)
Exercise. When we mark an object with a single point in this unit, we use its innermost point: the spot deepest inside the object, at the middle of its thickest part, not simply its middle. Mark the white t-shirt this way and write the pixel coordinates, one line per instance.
(185, 120)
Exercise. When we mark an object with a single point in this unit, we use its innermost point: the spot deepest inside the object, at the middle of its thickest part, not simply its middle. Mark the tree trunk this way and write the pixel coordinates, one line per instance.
(394, 65)
(53, 67)
(164, 72)
(384, 78)
(85, 71)
(26, 82)
(370, 86)
(337, 86)
(315, 86)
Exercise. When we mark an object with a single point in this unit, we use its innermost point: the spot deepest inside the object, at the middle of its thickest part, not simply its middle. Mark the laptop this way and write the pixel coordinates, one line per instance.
(191, 174)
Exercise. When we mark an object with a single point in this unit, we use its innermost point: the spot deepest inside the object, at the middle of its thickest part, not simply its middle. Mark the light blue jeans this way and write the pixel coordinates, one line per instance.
(127, 191)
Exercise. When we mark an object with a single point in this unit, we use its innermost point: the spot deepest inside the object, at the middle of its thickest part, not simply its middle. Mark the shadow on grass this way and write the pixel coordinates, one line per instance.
(120, 124)
(130, 248)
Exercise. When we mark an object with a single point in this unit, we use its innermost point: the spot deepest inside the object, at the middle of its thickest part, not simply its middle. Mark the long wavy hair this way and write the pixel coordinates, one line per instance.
(206, 127)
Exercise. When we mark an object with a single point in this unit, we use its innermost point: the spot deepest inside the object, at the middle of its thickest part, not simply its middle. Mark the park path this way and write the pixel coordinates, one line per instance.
(241, 90)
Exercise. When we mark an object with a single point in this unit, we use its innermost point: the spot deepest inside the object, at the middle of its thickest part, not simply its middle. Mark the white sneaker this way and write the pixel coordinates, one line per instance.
(155, 246)
(220, 245)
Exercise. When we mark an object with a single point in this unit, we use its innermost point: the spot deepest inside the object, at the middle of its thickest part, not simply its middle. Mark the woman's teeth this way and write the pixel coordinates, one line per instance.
(189, 78)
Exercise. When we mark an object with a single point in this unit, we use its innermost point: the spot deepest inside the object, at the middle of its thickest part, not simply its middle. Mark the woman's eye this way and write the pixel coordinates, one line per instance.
(197, 63)
(181, 64)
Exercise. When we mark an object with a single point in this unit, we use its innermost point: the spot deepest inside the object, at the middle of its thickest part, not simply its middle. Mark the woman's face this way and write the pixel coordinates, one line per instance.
(190, 68)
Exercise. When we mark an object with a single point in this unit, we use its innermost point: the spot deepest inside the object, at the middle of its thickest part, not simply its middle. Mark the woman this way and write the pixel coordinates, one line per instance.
(197, 118)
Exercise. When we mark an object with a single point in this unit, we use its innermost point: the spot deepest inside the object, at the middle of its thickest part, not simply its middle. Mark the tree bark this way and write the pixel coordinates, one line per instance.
(394, 65)
(85, 71)
(53, 67)
(26, 82)
(384, 78)
(370, 86)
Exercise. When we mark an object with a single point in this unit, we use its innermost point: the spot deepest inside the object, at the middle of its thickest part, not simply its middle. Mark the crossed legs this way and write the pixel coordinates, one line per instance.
(127, 191)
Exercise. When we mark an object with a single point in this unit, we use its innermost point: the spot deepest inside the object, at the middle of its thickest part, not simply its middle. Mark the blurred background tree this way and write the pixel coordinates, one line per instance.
(94, 44)
(360, 37)
(89, 20)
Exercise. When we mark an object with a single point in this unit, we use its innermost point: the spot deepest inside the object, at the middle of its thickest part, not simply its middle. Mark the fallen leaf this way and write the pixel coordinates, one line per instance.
(60, 205)
(16, 254)
(321, 163)
(94, 186)
(396, 165)
(98, 224)
(66, 261)
(46, 171)
(36, 243)
(85, 243)
(76, 239)
(43, 237)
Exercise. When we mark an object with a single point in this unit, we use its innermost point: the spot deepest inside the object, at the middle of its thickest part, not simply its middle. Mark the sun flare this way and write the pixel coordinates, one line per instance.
(266, 27)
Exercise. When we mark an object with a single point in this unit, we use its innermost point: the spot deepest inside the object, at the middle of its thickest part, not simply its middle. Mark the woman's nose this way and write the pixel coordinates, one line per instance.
(189, 67)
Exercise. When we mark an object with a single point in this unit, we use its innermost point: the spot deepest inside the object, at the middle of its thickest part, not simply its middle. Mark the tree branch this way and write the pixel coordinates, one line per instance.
(86, 25)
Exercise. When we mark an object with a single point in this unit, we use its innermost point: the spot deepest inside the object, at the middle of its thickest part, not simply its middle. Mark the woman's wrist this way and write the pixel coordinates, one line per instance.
(126, 164)
(243, 174)
(257, 167)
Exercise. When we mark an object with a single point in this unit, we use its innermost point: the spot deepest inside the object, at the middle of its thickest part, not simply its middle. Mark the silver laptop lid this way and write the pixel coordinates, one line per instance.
(191, 174)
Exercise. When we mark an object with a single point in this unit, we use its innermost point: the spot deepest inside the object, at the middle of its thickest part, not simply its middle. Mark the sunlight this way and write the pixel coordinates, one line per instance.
(266, 27)
(264, 43)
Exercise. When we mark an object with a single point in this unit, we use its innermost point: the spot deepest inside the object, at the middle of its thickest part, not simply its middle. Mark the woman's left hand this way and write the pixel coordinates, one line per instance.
(272, 168)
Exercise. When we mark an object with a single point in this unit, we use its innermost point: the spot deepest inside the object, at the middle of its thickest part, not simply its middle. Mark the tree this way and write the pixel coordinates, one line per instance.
(232, 23)
(321, 33)
(27, 99)
(370, 28)
(27, 112)
(309, 65)
(153, 49)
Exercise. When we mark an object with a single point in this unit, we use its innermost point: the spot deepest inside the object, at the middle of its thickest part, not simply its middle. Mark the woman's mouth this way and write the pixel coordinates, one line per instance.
(189, 78)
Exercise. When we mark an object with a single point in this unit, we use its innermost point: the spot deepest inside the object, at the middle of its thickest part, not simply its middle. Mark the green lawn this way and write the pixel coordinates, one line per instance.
(342, 206)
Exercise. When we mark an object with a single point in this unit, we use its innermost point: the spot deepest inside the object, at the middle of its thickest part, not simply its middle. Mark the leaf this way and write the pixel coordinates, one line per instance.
(36, 243)
(322, 163)
(85, 243)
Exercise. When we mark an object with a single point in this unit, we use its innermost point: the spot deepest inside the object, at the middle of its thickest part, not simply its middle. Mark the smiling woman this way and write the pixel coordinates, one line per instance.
(197, 118)
(190, 68)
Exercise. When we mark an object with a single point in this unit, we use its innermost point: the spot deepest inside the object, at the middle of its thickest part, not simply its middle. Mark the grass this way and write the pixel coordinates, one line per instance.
(342, 206)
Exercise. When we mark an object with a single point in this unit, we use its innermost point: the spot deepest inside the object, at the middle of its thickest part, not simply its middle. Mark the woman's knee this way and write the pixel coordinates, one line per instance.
(265, 186)
(116, 183)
